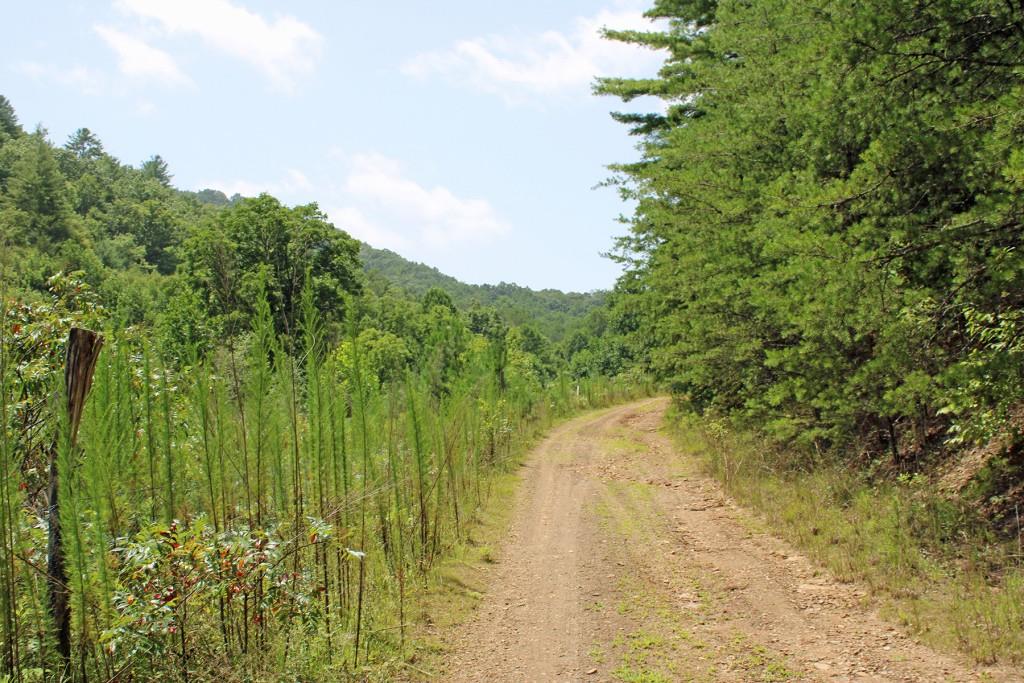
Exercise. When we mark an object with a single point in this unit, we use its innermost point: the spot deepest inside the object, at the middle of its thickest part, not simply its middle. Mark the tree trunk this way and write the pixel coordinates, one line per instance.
(80, 363)
(893, 443)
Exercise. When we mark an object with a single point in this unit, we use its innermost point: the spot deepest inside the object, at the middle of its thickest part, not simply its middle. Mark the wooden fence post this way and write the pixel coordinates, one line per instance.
(80, 363)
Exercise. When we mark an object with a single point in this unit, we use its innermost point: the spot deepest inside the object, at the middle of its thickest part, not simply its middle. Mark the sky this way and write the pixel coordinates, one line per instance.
(460, 134)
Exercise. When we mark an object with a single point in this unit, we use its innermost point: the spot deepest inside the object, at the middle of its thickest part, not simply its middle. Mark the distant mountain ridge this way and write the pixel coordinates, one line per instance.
(555, 313)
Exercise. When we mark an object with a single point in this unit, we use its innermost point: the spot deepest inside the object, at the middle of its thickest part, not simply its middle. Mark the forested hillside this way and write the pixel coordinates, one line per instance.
(827, 239)
(554, 313)
(278, 448)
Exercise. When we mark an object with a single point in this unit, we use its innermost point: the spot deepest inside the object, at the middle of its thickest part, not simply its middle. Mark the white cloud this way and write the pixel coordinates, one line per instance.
(356, 223)
(440, 217)
(516, 67)
(284, 49)
(81, 78)
(376, 201)
(137, 59)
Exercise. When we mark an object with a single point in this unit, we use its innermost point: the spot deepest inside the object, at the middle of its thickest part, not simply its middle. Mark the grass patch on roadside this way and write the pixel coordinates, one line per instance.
(622, 440)
(455, 587)
(930, 561)
(647, 657)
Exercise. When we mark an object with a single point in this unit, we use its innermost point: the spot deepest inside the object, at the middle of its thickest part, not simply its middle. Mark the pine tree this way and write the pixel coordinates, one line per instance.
(9, 125)
(37, 192)
(156, 168)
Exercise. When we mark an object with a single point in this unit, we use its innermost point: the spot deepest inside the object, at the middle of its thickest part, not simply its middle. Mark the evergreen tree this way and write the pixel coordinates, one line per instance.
(9, 125)
(83, 144)
(37, 194)
(156, 168)
(832, 199)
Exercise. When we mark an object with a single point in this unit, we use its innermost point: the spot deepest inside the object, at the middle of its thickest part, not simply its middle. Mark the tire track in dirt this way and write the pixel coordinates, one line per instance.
(623, 563)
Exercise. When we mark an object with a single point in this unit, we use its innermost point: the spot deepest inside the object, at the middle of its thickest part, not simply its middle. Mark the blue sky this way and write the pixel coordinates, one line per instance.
(461, 134)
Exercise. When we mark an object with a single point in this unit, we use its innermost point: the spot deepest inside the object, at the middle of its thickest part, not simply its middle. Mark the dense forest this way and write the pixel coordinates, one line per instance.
(827, 239)
(279, 444)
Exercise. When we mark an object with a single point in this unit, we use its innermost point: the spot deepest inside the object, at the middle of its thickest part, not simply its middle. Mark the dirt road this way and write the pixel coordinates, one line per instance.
(625, 564)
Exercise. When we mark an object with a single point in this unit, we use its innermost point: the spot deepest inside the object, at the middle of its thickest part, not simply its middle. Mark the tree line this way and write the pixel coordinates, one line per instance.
(829, 218)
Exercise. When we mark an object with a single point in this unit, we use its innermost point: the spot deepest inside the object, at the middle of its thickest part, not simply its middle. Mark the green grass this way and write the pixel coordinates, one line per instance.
(646, 656)
(455, 588)
(758, 662)
(630, 674)
(929, 561)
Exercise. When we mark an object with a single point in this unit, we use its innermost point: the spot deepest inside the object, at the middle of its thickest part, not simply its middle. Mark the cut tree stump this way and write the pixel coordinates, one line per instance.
(80, 363)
